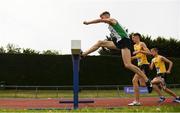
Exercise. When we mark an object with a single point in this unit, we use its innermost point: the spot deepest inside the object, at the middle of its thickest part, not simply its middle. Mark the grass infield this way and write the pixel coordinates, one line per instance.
(141, 109)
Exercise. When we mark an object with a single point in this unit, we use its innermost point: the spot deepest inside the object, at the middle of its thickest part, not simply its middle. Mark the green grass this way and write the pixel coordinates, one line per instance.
(102, 110)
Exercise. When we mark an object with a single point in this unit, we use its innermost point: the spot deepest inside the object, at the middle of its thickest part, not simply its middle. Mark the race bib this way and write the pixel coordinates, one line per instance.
(158, 70)
(139, 60)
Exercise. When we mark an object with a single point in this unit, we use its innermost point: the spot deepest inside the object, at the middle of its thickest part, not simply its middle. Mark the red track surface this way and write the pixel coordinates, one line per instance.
(99, 103)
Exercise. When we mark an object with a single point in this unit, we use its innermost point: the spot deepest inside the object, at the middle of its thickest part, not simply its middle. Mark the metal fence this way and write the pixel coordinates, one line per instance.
(56, 89)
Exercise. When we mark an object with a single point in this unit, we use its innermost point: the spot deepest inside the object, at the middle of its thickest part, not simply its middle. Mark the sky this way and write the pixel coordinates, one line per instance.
(52, 24)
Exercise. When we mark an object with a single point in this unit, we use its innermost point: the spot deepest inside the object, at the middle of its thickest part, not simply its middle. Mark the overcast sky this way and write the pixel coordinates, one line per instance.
(52, 24)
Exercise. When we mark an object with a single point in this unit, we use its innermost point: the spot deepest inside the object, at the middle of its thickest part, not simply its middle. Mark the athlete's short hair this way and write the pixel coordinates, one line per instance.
(137, 34)
(155, 49)
(105, 13)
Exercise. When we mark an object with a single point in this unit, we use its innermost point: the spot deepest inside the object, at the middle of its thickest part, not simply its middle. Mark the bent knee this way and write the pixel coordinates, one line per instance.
(153, 81)
(100, 42)
(135, 80)
(128, 66)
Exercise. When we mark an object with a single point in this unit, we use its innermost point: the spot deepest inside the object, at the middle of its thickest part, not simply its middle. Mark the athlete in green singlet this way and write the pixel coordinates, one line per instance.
(121, 42)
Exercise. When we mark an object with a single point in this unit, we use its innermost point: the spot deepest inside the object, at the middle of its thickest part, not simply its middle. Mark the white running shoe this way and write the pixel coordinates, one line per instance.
(135, 103)
(161, 99)
(177, 100)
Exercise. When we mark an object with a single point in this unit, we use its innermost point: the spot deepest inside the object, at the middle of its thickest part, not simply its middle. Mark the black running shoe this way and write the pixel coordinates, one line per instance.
(81, 56)
(149, 86)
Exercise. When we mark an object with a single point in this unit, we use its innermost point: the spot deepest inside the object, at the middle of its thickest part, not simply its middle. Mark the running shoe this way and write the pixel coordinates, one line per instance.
(177, 100)
(135, 103)
(161, 99)
(149, 86)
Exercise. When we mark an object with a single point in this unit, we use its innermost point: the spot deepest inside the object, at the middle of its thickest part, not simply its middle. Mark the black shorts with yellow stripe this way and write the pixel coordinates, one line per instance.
(162, 75)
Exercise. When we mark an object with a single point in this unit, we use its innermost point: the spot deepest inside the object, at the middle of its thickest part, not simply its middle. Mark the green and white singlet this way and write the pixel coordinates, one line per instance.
(117, 31)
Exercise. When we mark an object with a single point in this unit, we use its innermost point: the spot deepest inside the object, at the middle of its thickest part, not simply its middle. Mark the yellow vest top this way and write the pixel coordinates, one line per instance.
(141, 58)
(159, 64)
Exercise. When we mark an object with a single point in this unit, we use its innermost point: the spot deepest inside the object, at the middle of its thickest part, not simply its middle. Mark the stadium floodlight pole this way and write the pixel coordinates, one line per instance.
(75, 50)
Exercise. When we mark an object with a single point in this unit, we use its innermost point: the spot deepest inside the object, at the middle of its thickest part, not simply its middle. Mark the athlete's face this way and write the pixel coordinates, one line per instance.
(135, 39)
(153, 52)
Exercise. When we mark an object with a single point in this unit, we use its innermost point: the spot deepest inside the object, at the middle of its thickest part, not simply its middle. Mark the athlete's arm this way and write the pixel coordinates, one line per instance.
(133, 57)
(169, 62)
(108, 21)
(145, 49)
(151, 65)
(136, 52)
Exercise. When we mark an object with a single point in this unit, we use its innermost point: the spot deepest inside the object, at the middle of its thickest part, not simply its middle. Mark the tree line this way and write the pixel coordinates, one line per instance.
(15, 49)
(168, 47)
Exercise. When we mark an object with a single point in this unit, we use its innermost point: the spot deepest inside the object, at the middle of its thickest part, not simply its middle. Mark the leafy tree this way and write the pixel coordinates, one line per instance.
(167, 47)
(13, 49)
(2, 49)
(50, 52)
(30, 51)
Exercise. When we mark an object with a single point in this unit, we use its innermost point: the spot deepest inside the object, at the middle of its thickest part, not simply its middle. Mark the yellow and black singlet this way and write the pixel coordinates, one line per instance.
(159, 64)
(141, 57)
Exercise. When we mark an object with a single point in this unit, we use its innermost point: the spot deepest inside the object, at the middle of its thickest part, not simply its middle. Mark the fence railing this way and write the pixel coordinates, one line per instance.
(81, 86)
(96, 89)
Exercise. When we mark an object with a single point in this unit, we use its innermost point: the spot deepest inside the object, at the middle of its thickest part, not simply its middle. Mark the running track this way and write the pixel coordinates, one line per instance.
(99, 103)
